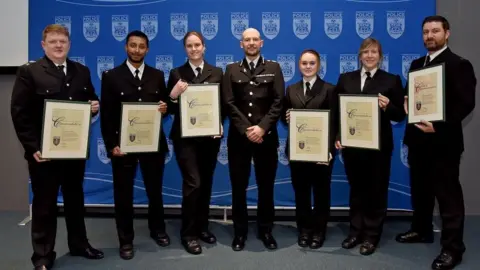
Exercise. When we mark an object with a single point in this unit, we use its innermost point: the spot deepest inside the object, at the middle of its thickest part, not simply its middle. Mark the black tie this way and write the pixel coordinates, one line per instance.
(308, 91)
(136, 75)
(252, 67)
(199, 72)
(427, 61)
(60, 69)
(367, 80)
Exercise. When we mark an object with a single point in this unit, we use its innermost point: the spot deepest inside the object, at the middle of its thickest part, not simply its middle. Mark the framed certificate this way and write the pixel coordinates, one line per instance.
(65, 129)
(426, 94)
(360, 121)
(200, 111)
(140, 127)
(309, 135)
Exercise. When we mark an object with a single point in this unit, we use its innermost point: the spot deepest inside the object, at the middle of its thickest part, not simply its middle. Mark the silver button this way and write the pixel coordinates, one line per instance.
(264, 80)
(139, 99)
(250, 104)
(84, 88)
(251, 82)
(70, 98)
(239, 80)
(139, 88)
(156, 92)
(251, 93)
(121, 93)
(249, 115)
(68, 84)
(47, 91)
(116, 132)
(244, 70)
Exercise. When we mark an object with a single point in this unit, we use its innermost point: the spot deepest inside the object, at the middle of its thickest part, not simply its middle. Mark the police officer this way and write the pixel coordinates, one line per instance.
(134, 81)
(54, 76)
(253, 91)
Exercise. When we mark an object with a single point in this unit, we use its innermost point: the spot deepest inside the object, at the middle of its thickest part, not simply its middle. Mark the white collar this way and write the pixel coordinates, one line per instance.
(194, 67)
(372, 72)
(132, 68)
(312, 81)
(255, 61)
(437, 53)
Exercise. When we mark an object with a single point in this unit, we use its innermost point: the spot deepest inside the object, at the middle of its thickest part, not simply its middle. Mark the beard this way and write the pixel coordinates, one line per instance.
(435, 45)
(255, 53)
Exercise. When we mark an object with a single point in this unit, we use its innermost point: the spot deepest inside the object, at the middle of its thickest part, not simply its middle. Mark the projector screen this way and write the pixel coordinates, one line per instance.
(14, 32)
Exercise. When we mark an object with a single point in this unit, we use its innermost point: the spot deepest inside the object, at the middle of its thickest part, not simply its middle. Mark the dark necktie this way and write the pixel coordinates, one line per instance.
(308, 91)
(136, 75)
(60, 69)
(367, 80)
(199, 72)
(252, 67)
(427, 61)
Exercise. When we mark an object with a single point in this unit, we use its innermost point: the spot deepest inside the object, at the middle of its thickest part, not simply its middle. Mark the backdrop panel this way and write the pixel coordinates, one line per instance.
(333, 27)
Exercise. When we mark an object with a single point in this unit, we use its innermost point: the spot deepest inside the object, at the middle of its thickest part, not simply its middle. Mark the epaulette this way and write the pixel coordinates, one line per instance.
(29, 62)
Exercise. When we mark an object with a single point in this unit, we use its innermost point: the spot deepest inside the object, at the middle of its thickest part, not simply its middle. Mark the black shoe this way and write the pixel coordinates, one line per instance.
(89, 253)
(238, 243)
(126, 252)
(446, 261)
(414, 237)
(160, 238)
(367, 248)
(268, 240)
(303, 240)
(192, 246)
(317, 241)
(350, 242)
(207, 237)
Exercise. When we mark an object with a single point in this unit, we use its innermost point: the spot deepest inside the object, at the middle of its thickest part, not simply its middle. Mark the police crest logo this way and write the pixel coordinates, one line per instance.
(149, 25)
(348, 63)
(351, 130)
(91, 27)
(282, 156)
(385, 62)
(238, 23)
(165, 64)
(364, 21)
(104, 63)
(395, 23)
(110, 3)
(56, 140)
(102, 151)
(301, 144)
(222, 156)
(323, 65)
(169, 154)
(65, 21)
(178, 25)
(119, 27)
(302, 24)
(222, 60)
(270, 24)
(209, 25)
(404, 154)
(78, 59)
(406, 62)
(193, 120)
(333, 23)
(287, 64)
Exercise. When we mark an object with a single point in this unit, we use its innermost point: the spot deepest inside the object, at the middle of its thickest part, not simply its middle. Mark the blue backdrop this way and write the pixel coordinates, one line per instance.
(333, 27)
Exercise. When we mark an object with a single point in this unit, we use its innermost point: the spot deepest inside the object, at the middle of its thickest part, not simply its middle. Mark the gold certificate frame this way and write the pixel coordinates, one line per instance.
(65, 129)
(140, 127)
(200, 111)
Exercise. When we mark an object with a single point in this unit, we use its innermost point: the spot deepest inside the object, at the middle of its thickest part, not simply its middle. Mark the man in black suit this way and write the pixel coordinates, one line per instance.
(253, 91)
(53, 76)
(134, 81)
(435, 150)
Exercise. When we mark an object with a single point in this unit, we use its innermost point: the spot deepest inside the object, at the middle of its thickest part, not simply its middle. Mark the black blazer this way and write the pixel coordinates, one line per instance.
(460, 83)
(210, 74)
(385, 83)
(38, 81)
(119, 85)
(323, 98)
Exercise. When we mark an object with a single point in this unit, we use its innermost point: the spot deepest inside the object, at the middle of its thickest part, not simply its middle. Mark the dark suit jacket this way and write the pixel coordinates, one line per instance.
(460, 83)
(322, 98)
(210, 74)
(38, 81)
(254, 99)
(383, 83)
(119, 85)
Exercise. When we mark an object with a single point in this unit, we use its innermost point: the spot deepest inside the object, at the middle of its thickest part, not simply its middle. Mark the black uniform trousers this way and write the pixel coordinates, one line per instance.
(124, 172)
(265, 158)
(308, 177)
(436, 175)
(368, 173)
(197, 159)
(46, 179)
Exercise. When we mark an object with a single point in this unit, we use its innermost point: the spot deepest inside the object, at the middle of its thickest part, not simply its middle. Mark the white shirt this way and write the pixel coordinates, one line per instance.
(255, 61)
(64, 66)
(194, 67)
(363, 76)
(312, 81)
(132, 69)
(435, 54)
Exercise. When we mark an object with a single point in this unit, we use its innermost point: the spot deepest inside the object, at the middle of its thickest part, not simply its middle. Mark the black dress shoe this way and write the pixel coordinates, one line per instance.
(126, 252)
(208, 237)
(414, 237)
(238, 243)
(89, 253)
(317, 241)
(192, 246)
(350, 242)
(367, 248)
(446, 261)
(303, 240)
(162, 239)
(268, 240)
